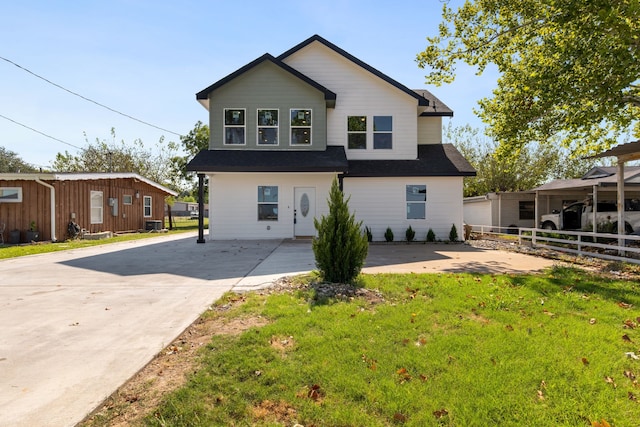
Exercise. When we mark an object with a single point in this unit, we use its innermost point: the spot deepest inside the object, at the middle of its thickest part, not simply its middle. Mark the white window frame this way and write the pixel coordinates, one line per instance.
(146, 205)
(358, 132)
(127, 199)
(270, 202)
(10, 194)
(410, 203)
(97, 211)
(381, 132)
(292, 127)
(225, 126)
(260, 126)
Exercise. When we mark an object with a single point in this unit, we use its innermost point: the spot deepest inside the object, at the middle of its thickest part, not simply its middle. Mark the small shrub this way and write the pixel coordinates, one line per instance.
(431, 236)
(388, 235)
(369, 234)
(410, 234)
(453, 234)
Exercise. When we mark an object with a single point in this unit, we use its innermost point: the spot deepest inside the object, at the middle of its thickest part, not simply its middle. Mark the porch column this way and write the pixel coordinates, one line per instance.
(594, 209)
(621, 227)
(200, 208)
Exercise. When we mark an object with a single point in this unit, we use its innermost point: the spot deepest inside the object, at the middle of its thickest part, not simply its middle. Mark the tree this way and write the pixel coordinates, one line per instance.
(529, 167)
(192, 143)
(568, 69)
(341, 247)
(10, 162)
(112, 156)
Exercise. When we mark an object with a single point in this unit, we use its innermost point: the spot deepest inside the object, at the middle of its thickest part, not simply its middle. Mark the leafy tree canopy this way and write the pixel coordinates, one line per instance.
(567, 68)
(112, 156)
(10, 162)
(530, 167)
(192, 143)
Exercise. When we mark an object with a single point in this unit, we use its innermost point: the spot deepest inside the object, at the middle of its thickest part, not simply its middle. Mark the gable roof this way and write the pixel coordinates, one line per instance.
(316, 38)
(333, 159)
(203, 95)
(631, 177)
(438, 108)
(433, 160)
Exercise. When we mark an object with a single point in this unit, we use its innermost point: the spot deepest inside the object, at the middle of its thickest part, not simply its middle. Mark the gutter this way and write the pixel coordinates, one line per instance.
(52, 192)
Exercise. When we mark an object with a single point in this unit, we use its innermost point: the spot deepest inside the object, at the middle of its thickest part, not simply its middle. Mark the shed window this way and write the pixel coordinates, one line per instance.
(527, 209)
(97, 207)
(10, 194)
(127, 199)
(147, 206)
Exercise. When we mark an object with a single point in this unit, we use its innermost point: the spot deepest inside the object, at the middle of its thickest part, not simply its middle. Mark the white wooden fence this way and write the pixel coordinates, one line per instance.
(597, 245)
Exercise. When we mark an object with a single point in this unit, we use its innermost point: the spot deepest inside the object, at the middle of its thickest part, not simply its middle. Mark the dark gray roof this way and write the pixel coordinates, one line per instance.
(436, 107)
(421, 100)
(328, 95)
(433, 160)
(331, 160)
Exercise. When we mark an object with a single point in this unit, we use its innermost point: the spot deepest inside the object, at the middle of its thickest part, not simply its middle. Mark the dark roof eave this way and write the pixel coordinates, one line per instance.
(437, 114)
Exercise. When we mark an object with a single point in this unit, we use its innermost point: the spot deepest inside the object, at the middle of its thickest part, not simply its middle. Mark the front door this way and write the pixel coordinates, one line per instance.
(305, 211)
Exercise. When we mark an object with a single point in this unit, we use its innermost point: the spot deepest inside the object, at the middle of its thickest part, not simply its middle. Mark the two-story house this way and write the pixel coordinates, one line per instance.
(281, 128)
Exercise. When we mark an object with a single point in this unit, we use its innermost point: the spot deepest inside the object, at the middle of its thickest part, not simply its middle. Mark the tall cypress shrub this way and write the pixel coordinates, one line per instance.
(341, 247)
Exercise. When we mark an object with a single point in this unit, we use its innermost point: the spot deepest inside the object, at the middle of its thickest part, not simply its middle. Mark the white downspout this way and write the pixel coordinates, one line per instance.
(52, 192)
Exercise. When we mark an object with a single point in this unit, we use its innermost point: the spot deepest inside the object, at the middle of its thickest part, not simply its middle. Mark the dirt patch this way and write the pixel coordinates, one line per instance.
(167, 371)
(280, 412)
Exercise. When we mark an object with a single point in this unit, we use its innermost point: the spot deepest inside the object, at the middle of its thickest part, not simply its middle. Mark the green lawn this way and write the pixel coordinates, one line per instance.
(450, 350)
(181, 224)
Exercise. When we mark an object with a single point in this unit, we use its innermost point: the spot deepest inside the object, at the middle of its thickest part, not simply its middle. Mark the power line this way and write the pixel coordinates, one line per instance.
(41, 133)
(88, 99)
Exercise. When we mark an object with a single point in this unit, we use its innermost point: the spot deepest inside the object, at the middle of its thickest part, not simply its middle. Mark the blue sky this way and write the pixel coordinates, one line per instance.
(148, 59)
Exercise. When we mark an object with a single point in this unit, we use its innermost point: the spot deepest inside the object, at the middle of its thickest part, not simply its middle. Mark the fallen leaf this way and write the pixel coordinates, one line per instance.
(624, 305)
(603, 423)
(632, 397)
(314, 392)
(399, 417)
(423, 378)
(628, 324)
(440, 413)
(585, 362)
(626, 338)
(540, 395)
(509, 328)
(610, 380)
(632, 355)
(548, 313)
(592, 321)
(630, 375)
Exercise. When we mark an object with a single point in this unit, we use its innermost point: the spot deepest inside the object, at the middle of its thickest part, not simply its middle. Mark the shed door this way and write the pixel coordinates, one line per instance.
(305, 211)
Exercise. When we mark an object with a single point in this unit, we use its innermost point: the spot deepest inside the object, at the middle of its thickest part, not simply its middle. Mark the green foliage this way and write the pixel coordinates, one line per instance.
(431, 236)
(498, 171)
(112, 156)
(388, 235)
(340, 248)
(192, 143)
(567, 69)
(453, 233)
(438, 350)
(10, 162)
(369, 234)
(410, 234)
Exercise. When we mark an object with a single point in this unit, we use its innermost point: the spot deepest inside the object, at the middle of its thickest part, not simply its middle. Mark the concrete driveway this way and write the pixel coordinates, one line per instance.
(77, 324)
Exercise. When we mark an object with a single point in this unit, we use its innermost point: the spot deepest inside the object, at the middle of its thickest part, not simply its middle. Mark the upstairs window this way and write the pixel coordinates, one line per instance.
(267, 127)
(357, 132)
(416, 196)
(300, 127)
(234, 126)
(382, 132)
(267, 203)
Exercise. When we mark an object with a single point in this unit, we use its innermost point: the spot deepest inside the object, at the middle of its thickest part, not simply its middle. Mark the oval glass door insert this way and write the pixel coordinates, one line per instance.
(304, 205)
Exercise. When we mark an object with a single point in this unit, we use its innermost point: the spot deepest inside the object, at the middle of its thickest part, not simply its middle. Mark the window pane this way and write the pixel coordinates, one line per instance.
(96, 207)
(527, 210)
(268, 136)
(382, 124)
(415, 211)
(357, 141)
(234, 136)
(301, 136)
(267, 193)
(267, 212)
(416, 193)
(357, 123)
(267, 117)
(234, 117)
(127, 199)
(382, 140)
(300, 117)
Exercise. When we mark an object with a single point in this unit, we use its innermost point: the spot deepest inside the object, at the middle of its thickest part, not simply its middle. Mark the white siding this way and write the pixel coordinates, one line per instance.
(233, 203)
(477, 212)
(429, 130)
(360, 93)
(381, 203)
